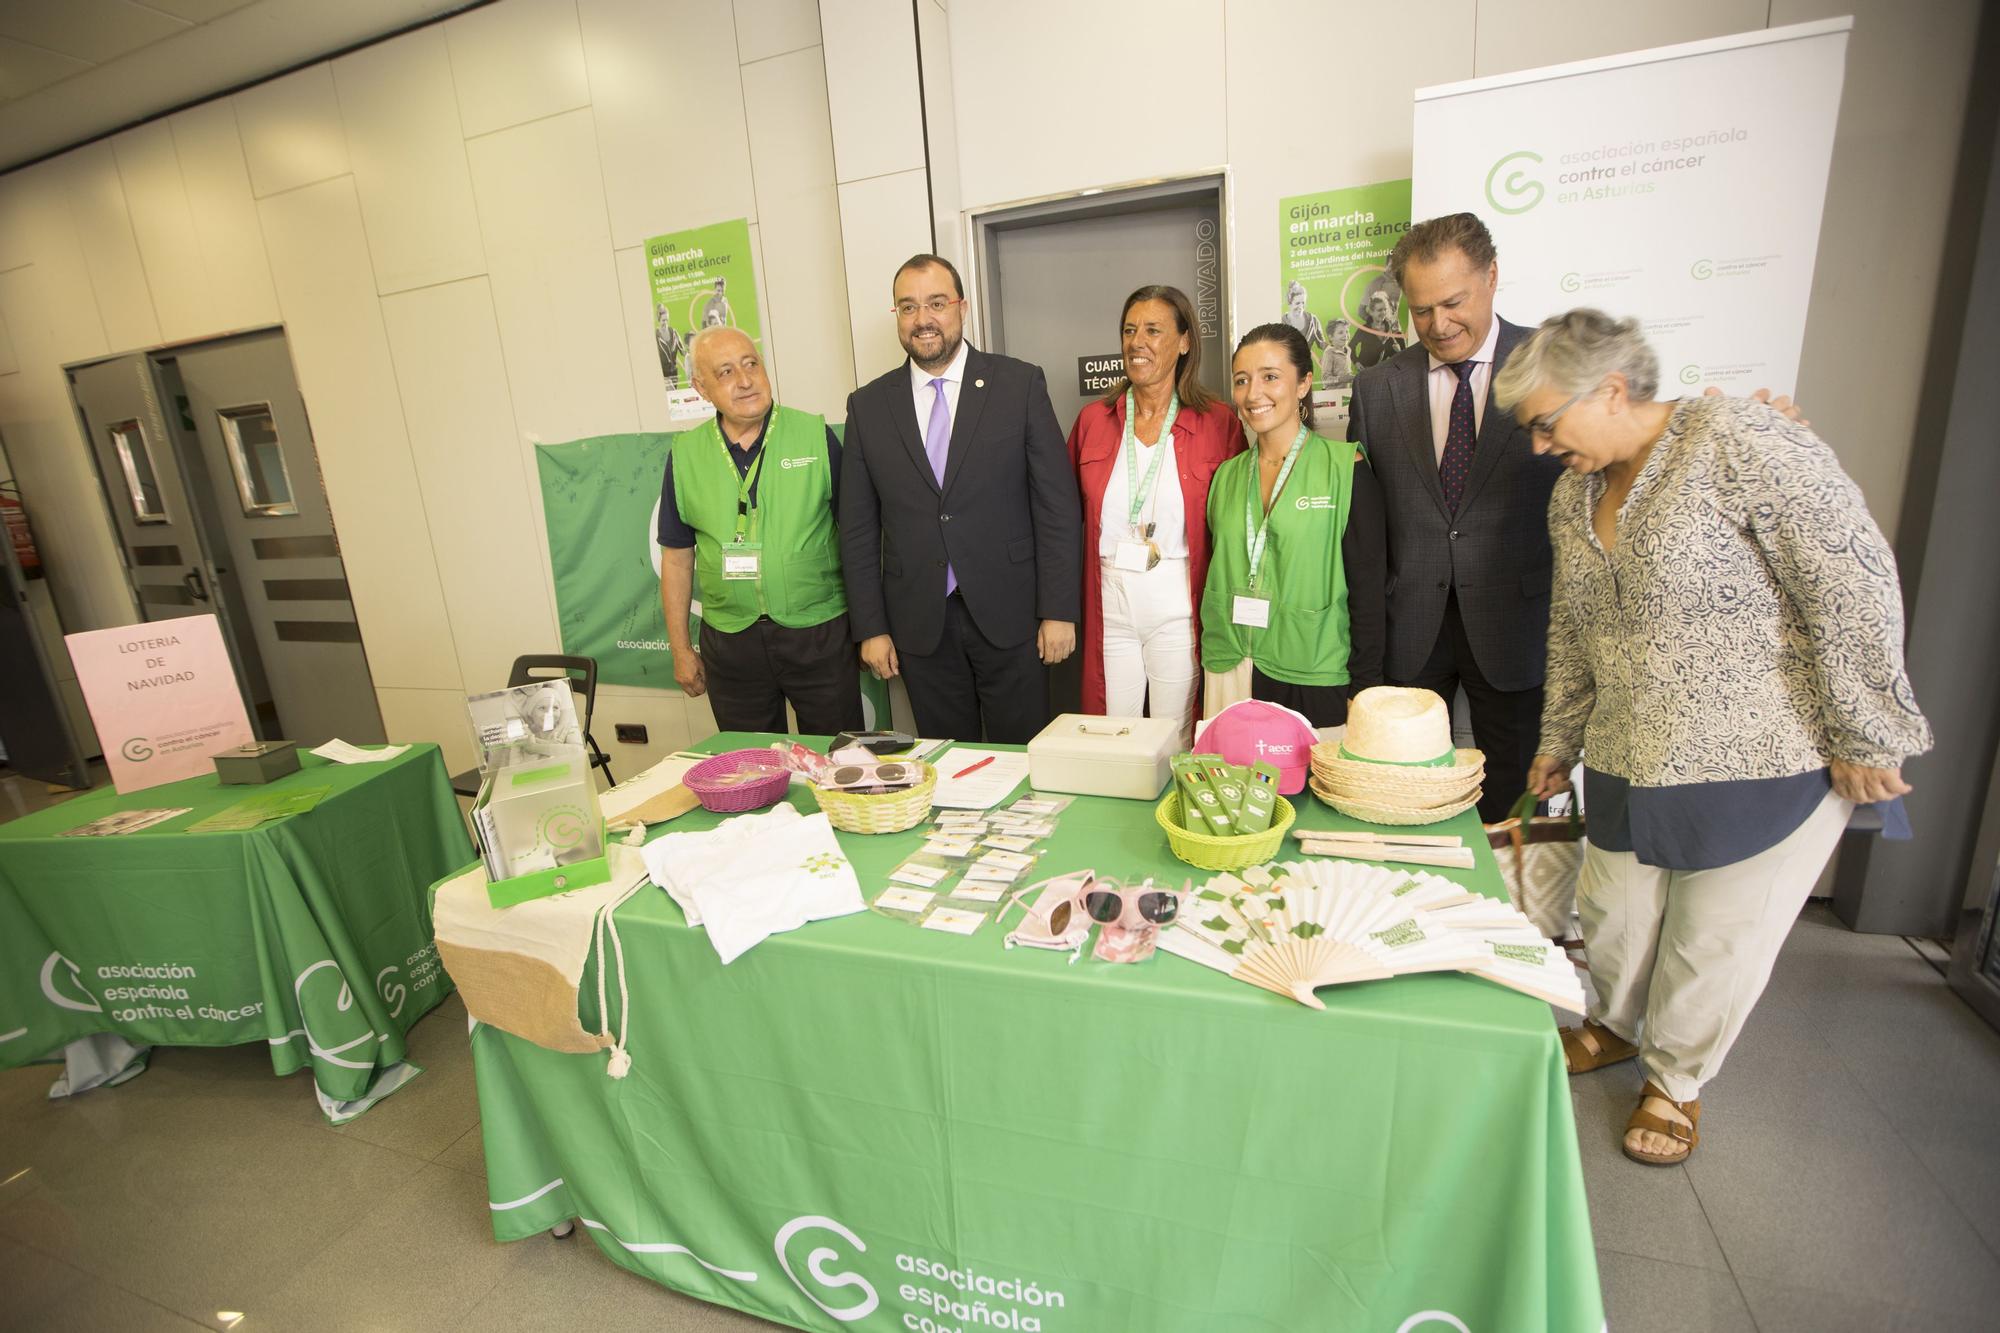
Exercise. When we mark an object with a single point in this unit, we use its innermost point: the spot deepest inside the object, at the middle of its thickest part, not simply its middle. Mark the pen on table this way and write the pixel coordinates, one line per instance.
(972, 768)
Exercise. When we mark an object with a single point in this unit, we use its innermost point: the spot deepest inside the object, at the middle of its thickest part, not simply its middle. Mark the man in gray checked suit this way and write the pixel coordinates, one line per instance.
(1466, 501)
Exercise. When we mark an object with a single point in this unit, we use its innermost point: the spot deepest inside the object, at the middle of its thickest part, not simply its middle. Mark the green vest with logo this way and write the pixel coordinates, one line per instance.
(798, 581)
(1301, 573)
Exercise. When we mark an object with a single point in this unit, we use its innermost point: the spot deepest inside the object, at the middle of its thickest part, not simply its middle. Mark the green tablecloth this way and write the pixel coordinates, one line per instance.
(863, 1124)
(311, 933)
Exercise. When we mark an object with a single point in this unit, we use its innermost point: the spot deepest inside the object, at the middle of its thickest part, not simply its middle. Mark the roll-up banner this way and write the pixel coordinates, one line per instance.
(1683, 185)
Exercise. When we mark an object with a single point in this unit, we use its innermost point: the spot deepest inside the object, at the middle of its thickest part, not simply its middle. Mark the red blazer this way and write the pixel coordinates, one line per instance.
(1202, 440)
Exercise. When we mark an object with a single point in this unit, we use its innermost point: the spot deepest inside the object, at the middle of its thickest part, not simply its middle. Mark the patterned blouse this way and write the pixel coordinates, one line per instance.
(1747, 622)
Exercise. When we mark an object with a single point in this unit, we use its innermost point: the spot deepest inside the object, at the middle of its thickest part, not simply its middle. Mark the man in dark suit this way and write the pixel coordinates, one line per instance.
(960, 530)
(1466, 500)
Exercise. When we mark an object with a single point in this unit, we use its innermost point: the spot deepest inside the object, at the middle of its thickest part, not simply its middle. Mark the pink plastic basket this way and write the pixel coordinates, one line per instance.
(715, 784)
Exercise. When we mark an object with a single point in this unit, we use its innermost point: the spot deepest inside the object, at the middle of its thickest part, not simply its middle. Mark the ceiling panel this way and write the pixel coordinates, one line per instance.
(71, 70)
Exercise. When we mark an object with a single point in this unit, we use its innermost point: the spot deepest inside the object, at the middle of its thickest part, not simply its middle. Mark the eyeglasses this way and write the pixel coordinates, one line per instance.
(1546, 426)
(937, 305)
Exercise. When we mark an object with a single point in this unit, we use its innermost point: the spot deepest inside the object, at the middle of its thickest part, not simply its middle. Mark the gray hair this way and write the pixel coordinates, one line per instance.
(1572, 353)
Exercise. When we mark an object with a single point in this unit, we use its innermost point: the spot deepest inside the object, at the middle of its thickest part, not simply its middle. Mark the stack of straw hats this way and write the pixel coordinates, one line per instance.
(1397, 764)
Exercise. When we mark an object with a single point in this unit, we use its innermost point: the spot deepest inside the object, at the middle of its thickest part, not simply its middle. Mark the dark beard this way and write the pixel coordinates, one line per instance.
(951, 347)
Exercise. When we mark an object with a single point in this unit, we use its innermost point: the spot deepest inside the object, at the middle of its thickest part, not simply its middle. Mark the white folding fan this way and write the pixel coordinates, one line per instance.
(1296, 926)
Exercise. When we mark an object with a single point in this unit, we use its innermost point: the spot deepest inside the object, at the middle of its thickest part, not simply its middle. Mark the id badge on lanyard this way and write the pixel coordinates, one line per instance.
(1139, 552)
(742, 559)
(1249, 608)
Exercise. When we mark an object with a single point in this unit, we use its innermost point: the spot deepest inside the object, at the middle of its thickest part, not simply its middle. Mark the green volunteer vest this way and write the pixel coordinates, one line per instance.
(798, 581)
(1301, 572)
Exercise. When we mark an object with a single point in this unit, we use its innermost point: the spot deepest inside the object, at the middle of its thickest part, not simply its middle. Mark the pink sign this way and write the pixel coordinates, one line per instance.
(163, 697)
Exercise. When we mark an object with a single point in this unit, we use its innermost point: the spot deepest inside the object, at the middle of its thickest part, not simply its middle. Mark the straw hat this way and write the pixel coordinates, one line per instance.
(1397, 764)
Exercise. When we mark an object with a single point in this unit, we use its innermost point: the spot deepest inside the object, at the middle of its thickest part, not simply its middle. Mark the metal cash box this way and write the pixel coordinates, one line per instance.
(259, 761)
(1104, 756)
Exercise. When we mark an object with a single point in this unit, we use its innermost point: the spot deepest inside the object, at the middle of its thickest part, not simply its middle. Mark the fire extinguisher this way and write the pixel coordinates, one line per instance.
(18, 530)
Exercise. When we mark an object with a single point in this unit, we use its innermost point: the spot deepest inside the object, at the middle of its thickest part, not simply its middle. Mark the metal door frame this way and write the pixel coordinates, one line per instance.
(979, 225)
(1977, 925)
(153, 356)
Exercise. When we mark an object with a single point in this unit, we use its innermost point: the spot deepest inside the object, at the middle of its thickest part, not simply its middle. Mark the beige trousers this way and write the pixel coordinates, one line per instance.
(1678, 957)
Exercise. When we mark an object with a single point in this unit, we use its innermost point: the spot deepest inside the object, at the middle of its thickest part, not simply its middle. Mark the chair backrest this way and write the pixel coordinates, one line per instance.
(582, 673)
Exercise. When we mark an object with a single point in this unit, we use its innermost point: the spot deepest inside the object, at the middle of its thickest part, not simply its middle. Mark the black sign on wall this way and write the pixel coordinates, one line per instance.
(1096, 374)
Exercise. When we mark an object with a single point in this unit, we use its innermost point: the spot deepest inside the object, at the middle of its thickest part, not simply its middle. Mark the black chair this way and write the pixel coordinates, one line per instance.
(582, 674)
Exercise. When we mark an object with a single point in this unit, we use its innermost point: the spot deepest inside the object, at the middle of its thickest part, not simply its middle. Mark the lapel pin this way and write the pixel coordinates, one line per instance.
(979, 384)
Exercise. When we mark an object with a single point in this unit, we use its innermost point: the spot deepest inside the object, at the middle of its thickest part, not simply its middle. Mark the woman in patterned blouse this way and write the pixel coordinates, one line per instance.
(1726, 658)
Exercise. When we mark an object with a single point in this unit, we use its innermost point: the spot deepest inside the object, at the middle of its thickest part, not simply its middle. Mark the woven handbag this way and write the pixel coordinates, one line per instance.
(1540, 857)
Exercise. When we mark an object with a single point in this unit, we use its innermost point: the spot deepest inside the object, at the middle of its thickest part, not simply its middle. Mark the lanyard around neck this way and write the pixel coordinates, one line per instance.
(746, 512)
(1140, 491)
(1257, 526)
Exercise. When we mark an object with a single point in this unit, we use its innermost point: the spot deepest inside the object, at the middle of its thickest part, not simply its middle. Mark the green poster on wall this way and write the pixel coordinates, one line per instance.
(1336, 286)
(601, 500)
(698, 279)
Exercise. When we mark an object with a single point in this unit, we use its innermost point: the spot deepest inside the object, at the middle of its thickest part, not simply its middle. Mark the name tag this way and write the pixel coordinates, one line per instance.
(1252, 611)
(1138, 557)
(739, 562)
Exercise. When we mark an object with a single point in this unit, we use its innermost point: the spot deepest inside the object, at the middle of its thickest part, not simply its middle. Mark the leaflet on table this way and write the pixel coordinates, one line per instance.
(972, 779)
(538, 718)
(340, 752)
(251, 811)
(122, 821)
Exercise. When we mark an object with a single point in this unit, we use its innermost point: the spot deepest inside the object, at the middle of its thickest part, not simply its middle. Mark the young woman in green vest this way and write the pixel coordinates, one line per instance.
(1298, 574)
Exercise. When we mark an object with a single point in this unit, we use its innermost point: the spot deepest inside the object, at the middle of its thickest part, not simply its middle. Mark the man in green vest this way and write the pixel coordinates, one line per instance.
(747, 517)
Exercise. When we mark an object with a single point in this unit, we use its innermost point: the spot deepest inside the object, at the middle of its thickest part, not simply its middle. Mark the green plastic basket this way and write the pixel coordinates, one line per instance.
(1209, 852)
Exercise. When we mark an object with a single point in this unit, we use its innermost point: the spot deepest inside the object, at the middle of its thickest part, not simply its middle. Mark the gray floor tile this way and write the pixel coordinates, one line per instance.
(1648, 1296)
(1783, 1068)
(1844, 1210)
(1779, 1307)
(97, 1305)
(32, 1283)
(191, 1211)
(1967, 1169)
(569, 1284)
(432, 1111)
(1638, 1210)
(467, 1153)
(419, 1260)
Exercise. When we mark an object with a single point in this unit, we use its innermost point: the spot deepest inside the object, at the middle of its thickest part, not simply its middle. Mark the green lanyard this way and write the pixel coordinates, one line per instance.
(1141, 491)
(744, 511)
(1256, 527)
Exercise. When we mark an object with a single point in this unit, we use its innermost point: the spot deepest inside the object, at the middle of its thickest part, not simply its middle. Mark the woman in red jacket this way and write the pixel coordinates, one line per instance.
(1143, 456)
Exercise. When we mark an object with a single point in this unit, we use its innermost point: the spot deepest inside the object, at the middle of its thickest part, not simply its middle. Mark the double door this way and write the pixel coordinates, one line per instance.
(208, 465)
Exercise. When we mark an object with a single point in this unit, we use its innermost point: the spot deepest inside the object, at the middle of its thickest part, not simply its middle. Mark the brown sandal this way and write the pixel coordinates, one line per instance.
(1593, 1046)
(1642, 1119)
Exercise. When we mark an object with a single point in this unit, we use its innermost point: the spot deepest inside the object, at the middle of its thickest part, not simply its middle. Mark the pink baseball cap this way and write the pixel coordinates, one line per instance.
(1255, 731)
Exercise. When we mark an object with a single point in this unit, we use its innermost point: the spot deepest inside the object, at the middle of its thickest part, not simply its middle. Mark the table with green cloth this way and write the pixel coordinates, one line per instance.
(311, 932)
(865, 1124)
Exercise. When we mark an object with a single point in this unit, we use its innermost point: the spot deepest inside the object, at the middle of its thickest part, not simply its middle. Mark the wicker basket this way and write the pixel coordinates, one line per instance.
(1233, 853)
(712, 784)
(881, 812)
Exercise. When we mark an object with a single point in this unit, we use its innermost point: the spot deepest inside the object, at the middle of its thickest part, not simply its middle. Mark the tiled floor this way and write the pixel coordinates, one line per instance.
(1848, 1179)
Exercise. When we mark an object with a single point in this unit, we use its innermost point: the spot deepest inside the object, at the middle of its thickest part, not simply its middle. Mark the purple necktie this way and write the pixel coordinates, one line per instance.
(937, 446)
(1459, 435)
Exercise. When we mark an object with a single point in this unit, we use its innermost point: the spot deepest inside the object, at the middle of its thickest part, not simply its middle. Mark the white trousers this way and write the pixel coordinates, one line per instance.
(1678, 957)
(1149, 644)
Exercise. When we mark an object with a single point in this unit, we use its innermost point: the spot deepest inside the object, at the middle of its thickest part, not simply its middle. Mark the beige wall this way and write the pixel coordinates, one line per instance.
(449, 227)
(1303, 95)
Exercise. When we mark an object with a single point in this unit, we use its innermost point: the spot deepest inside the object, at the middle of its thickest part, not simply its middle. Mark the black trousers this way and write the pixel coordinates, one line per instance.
(755, 671)
(1506, 724)
(1323, 705)
(967, 689)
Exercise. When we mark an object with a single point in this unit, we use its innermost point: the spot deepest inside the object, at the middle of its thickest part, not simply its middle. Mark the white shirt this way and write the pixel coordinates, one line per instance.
(1166, 508)
(1444, 383)
(923, 395)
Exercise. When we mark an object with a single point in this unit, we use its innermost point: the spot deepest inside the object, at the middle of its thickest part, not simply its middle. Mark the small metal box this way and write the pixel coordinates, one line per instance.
(259, 761)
